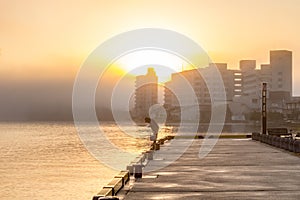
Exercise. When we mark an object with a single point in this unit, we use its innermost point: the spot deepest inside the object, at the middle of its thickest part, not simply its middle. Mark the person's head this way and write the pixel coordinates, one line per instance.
(147, 120)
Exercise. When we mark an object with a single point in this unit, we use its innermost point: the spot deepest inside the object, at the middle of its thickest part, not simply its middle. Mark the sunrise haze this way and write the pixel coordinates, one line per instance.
(44, 43)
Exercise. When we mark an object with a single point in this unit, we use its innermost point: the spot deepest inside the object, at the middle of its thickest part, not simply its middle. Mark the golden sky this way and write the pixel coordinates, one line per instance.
(43, 38)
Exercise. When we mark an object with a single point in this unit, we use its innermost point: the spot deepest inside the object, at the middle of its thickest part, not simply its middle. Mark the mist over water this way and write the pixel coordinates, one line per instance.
(26, 97)
(37, 98)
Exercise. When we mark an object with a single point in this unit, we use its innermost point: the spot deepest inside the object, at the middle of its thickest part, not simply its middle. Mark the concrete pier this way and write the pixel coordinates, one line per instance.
(235, 169)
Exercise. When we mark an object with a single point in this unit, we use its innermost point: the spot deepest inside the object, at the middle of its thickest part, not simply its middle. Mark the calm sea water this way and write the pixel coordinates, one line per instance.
(48, 161)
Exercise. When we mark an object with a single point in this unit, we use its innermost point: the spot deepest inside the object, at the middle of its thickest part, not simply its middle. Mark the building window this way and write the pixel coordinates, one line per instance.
(280, 85)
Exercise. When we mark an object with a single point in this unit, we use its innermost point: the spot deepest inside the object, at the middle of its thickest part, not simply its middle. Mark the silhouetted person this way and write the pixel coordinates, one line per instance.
(154, 127)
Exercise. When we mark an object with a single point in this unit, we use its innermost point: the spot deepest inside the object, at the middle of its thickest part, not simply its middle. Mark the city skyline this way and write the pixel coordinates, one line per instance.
(242, 88)
(44, 43)
(198, 88)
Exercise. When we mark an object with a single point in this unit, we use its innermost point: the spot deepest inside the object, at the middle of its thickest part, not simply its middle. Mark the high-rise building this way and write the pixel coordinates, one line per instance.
(146, 93)
(250, 77)
(266, 74)
(180, 94)
(193, 89)
(251, 83)
(228, 78)
(281, 64)
(243, 86)
(277, 75)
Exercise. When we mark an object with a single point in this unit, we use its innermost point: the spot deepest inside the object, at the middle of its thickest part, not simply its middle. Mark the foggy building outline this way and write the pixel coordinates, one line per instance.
(146, 93)
(243, 87)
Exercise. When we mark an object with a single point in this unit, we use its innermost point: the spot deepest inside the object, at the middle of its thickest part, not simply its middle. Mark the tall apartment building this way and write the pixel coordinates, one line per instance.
(251, 83)
(277, 75)
(243, 86)
(230, 83)
(281, 75)
(250, 77)
(266, 75)
(178, 96)
(146, 93)
(281, 64)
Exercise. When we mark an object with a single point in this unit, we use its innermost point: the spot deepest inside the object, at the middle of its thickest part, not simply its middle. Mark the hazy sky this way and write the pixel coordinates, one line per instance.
(44, 42)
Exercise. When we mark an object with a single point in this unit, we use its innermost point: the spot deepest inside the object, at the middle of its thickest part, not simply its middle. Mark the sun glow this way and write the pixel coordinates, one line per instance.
(164, 63)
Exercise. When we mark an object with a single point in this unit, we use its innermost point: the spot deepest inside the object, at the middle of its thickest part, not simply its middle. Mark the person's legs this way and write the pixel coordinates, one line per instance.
(153, 145)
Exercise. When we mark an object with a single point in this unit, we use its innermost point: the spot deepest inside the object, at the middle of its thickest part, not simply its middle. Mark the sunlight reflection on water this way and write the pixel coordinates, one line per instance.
(48, 161)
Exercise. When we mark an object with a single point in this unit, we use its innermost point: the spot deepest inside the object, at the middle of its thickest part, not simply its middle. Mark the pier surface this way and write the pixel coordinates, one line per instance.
(234, 169)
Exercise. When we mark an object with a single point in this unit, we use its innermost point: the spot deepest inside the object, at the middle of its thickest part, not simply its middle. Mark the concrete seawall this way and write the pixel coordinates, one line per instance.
(134, 168)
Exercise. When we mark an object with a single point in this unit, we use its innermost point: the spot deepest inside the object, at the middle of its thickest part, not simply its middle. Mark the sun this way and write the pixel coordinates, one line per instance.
(164, 63)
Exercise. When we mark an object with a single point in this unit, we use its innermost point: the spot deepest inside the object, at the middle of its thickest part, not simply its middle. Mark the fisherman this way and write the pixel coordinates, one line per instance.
(154, 127)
